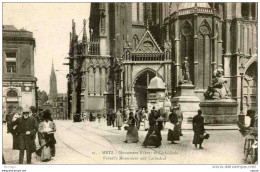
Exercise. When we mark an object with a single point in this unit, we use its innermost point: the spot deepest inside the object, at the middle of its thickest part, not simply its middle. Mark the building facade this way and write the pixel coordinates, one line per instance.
(130, 43)
(19, 84)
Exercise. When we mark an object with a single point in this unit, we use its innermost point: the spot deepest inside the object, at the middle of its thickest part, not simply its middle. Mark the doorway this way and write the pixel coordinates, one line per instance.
(140, 88)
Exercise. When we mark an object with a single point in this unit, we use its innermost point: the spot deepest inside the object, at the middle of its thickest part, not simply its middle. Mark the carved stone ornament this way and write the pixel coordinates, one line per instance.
(148, 46)
(204, 30)
(186, 30)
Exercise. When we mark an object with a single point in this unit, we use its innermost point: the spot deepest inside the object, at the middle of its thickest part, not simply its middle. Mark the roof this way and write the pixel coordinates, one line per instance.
(186, 5)
(156, 83)
(10, 27)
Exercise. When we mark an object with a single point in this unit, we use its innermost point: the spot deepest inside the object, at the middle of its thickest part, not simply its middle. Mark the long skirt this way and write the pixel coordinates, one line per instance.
(146, 124)
(174, 135)
(46, 153)
(153, 137)
(197, 139)
(132, 134)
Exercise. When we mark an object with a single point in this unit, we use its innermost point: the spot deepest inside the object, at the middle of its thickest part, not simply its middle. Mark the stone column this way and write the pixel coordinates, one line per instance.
(100, 77)
(215, 45)
(94, 76)
(177, 50)
(220, 61)
(250, 11)
(245, 38)
(196, 70)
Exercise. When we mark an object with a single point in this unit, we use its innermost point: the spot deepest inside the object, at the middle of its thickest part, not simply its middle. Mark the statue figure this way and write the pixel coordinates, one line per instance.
(217, 89)
(185, 73)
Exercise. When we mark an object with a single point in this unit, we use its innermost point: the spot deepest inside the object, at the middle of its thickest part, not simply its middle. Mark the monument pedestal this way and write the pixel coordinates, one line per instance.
(223, 111)
(188, 101)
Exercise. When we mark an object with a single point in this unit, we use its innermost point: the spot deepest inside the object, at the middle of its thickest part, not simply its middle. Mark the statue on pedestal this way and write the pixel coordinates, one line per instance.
(185, 73)
(217, 89)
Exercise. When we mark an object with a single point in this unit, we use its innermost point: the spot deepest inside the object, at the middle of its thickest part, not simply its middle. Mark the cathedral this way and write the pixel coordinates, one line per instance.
(129, 44)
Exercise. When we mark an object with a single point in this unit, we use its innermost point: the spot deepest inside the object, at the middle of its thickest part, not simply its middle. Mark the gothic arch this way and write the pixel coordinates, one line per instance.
(204, 28)
(249, 62)
(135, 41)
(186, 28)
(144, 70)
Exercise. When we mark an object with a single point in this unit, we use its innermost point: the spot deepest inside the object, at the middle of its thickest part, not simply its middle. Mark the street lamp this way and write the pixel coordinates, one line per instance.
(241, 72)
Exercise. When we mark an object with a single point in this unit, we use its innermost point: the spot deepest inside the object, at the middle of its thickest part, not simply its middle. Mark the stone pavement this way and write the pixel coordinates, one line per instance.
(96, 143)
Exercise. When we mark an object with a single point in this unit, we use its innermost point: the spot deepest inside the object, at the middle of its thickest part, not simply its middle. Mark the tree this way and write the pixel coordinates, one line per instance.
(42, 96)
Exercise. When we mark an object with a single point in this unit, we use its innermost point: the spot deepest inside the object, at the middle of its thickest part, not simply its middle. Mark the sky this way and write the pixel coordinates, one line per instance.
(51, 24)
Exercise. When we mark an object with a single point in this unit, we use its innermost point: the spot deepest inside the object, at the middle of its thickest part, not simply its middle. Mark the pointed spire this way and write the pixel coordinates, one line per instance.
(84, 39)
(73, 28)
(52, 67)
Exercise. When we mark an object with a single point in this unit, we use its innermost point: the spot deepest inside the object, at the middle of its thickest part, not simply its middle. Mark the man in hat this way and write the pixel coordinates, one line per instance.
(26, 130)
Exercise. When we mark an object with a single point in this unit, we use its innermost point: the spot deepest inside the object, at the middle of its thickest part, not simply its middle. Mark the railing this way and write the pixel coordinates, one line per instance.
(147, 57)
(94, 48)
(192, 11)
(17, 33)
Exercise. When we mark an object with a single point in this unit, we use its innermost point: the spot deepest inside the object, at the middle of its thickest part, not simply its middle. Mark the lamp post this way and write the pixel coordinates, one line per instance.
(241, 115)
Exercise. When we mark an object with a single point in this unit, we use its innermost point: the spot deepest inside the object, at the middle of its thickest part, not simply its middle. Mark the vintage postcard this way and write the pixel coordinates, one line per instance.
(130, 83)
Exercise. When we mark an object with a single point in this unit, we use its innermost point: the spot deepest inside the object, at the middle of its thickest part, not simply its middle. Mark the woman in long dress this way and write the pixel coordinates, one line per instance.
(173, 135)
(198, 128)
(46, 128)
(119, 119)
(132, 132)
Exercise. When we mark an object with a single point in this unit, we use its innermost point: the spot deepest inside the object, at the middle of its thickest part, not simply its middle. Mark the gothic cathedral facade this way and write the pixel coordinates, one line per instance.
(130, 43)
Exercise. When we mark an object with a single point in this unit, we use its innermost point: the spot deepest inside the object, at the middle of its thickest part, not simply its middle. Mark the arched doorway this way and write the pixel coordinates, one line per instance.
(140, 87)
(250, 87)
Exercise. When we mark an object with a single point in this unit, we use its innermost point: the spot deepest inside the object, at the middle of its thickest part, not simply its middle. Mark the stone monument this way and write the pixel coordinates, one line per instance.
(185, 96)
(218, 107)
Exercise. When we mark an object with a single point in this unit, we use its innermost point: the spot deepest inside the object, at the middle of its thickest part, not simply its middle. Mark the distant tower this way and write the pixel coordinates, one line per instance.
(53, 84)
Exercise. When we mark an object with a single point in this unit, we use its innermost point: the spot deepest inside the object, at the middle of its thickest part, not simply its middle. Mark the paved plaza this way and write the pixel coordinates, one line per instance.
(96, 143)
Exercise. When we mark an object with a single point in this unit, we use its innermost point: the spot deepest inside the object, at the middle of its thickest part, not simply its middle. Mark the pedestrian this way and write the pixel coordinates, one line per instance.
(174, 134)
(198, 128)
(99, 117)
(138, 115)
(119, 119)
(47, 129)
(180, 118)
(113, 117)
(153, 137)
(91, 117)
(132, 132)
(108, 119)
(146, 122)
(26, 130)
(8, 119)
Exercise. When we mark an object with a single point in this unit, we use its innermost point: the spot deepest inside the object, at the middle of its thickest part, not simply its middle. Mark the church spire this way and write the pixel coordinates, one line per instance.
(53, 83)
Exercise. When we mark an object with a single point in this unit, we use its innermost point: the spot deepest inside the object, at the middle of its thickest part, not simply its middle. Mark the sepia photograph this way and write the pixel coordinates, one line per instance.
(130, 83)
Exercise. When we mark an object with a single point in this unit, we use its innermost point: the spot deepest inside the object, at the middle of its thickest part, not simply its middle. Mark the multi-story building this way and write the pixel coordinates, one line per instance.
(19, 83)
(130, 43)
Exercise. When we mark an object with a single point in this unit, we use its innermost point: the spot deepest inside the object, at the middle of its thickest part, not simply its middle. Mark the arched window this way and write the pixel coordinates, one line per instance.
(135, 41)
(12, 93)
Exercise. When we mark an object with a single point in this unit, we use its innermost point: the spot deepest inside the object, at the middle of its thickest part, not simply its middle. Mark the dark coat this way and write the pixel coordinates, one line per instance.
(175, 134)
(198, 128)
(153, 116)
(26, 142)
(198, 124)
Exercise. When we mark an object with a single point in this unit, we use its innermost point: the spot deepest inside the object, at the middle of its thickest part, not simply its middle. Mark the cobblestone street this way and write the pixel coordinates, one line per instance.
(94, 143)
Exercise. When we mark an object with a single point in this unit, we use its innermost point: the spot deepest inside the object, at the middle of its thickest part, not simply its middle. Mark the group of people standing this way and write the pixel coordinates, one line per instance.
(156, 122)
(25, 127)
